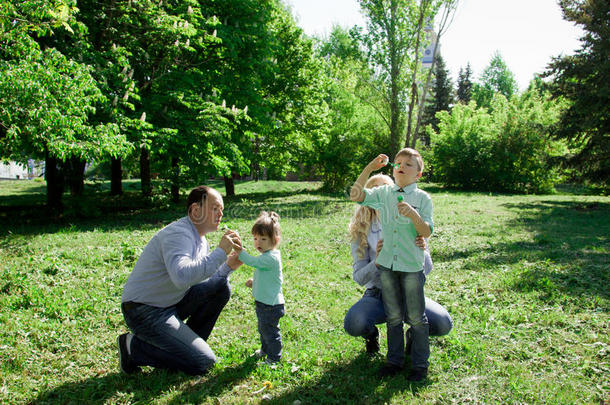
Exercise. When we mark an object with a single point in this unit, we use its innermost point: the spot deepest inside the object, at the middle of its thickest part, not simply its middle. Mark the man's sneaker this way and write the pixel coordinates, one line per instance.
(418, 374)
(259, 354)
(389, 369)
(372, 342)
(408, 342)
(125, 363)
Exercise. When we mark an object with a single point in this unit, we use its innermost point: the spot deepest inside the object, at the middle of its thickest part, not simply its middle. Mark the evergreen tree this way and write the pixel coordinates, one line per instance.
(464, 85)
(441, 100)
(584, 79)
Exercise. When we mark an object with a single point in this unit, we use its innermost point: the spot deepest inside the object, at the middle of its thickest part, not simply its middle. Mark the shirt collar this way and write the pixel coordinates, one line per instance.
(407, 189)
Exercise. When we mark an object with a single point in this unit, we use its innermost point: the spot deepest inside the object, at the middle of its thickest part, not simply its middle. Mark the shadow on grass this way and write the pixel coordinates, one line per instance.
(568, 253)
(145, 387)
(353, 382)
(134, 212)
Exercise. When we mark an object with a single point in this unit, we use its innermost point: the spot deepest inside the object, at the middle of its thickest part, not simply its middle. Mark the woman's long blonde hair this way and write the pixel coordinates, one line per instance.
(363, 217)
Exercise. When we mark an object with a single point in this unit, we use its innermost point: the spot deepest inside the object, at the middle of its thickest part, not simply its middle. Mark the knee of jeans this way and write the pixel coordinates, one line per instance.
(355, 325)
(203, 364)
(224, 292)
(442, 326)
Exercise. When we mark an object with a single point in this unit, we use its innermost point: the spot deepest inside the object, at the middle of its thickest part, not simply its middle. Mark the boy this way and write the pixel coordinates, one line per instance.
(405, 212)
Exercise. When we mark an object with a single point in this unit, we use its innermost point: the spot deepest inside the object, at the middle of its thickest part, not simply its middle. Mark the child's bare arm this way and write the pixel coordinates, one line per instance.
(356, 194)
(421, 226)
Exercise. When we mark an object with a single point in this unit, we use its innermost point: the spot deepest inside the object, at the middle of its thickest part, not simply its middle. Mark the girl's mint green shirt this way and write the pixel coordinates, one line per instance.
(399, 251)
(267, 281)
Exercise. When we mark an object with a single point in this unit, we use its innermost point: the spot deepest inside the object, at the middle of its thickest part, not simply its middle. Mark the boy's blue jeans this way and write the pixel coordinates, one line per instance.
(162, 338)
(404, 300)
(269, 329)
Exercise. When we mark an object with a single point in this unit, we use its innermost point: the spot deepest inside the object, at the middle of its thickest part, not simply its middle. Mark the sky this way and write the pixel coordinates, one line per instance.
(526, 33)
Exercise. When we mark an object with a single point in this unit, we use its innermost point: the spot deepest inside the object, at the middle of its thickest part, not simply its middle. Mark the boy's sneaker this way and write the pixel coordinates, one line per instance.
(408, 342)
(418, 374)
(125, 363)
(389, 369)
(372, 342)
(259, 354)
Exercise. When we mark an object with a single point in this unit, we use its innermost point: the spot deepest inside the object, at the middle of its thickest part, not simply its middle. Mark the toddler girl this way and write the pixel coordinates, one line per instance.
(267, 284)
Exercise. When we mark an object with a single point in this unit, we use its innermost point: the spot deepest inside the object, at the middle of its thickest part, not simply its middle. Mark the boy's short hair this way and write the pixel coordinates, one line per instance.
(410, 152)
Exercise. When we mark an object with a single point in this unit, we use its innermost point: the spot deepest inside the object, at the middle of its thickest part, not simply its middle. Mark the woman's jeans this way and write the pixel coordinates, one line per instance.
(163, 340)
(368, 311)
(403, 300)
(268, 327)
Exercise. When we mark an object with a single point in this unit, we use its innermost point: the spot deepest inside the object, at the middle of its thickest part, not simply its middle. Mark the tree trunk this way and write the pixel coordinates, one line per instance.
(116, 176)
(175, 187)
(229, 186)
(55, 184)
(422, 9)
(145, 172)
(76, 175)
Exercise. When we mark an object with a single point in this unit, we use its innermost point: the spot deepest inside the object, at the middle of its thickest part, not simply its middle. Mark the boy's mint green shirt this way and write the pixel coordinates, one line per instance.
(399, 251)
(267, 280)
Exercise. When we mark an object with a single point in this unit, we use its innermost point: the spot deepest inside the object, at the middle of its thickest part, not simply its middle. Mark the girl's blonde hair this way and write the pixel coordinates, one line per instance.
(363, 217)
(268, 224)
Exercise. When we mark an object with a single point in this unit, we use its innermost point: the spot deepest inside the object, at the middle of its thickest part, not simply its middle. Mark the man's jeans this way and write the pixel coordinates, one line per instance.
(403, 299)
(269, 330)
(161, 337)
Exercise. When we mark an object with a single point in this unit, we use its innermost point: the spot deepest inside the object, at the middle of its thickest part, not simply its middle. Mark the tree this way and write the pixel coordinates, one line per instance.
(464, 85)
(584, 80)
(496, 78)
(47, 99)
(442, 91)
(393, 45)
(504, 148)
(353, 136)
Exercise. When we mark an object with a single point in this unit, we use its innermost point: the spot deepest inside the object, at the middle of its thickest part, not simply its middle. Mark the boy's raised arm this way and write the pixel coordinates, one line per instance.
(356, 194)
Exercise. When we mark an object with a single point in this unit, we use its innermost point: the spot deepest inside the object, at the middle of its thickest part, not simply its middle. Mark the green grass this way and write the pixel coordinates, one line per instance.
(525, 279)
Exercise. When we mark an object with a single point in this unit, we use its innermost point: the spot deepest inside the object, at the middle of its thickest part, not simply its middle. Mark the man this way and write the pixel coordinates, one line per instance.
(176, 279)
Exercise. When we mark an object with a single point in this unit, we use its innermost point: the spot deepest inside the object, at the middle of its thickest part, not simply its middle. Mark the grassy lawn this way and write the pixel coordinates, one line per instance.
(525, 279)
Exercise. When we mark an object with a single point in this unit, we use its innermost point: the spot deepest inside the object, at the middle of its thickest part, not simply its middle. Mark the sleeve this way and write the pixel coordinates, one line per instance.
(365, 269)
(184, 269)
(428, 265)
(262, 262)
(426, 210)
(373, 197)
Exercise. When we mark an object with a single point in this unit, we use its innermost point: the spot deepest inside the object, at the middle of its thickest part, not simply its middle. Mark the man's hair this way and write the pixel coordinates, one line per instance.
(267, 224)
(197, 195)
(409, 152)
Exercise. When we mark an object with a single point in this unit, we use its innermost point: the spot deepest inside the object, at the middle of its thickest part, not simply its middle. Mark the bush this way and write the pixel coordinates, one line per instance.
(508, 149)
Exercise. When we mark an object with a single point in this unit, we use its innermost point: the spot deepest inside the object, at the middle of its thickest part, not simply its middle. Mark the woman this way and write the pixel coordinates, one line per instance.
(364, 315)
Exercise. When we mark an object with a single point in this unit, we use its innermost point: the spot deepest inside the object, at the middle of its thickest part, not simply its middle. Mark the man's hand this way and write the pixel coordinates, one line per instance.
(230, 240)
(379, 246)
(233, 262)
(420, 241)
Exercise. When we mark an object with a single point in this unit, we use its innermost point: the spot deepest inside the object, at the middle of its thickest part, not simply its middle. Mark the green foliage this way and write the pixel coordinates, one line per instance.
(464, 85)
(441, 97)
(496, 78)
(584, 79)
(46, 98)
(353, 136)
(508, 149)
